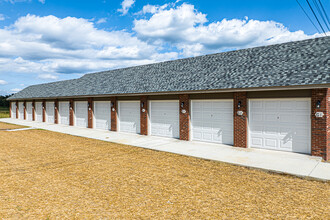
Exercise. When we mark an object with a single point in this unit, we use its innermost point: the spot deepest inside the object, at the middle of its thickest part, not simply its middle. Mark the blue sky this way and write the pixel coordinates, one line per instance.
(46, 40)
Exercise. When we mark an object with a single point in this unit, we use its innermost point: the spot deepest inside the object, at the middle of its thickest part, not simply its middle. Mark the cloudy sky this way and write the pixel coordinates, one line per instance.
(48, 40)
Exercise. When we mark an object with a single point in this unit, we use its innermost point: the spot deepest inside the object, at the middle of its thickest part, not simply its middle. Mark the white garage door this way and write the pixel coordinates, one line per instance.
(21, 110)
(212, 121)
(164, 118)
(29, 111)
(50, 112)
(38, 106)
(81, 114)
(129, 116)
(280, 124)
(102, 115)
(13, 109)
(64, 113)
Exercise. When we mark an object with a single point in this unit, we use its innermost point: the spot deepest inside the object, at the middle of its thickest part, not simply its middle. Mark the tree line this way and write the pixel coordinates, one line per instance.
(3, 100)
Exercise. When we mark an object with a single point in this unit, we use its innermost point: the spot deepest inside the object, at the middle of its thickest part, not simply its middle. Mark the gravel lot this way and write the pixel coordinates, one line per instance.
(51, 175)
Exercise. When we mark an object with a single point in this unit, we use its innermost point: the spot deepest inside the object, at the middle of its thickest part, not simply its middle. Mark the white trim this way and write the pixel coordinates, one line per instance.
(275, 99)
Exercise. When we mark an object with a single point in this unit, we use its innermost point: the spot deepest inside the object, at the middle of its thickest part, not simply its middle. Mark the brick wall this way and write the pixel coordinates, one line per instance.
(90, 112)
(43, 111)
(321, 125)
(16, 109)
(24, 106)
(71, 112)
(144, 115)
(33, 110)
(240, 121)
(184, 117)
(10, 110)
(56, 112)
(113, 100)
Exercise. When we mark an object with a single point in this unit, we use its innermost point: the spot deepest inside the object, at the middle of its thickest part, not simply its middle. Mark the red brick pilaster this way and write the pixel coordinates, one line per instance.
(10, 109)
(24, 106)
(184, 117)
(321, 125)
(33, 110)
(90, 112)
(44, 111)
(17, 113)
(240, 121)
(113, 101)
(71, 112)
(56, 112)
(144, 115)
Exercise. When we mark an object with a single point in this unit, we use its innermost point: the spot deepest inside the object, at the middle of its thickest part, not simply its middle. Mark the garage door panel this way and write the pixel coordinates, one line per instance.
(50, 112)
(129, 117)
(283, 127)
(212, 121)
(21, 110)
(29, 111)
(39, 109)
(102, 115)
(81, 114)
(164, 118)
(64, 113)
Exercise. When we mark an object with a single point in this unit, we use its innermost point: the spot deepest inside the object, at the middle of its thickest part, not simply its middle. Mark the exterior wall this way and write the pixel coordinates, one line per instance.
(90, 112)
(44, 111)
(24, 104)
(17, 109)
(113, 101)
(33, 110)
(240, 121)
(321, 125)
(184, 117)
(10, 109)
(71, 111)
(144, 115)
(56, 112)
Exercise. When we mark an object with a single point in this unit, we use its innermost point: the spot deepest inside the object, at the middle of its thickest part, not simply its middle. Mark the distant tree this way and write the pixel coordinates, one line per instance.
(3, 100)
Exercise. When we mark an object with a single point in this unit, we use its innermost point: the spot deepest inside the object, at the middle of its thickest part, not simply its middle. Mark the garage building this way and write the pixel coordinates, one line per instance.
(274, 97)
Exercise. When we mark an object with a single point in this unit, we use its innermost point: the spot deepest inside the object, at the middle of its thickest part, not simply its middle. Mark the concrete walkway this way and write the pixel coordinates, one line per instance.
(276, 161)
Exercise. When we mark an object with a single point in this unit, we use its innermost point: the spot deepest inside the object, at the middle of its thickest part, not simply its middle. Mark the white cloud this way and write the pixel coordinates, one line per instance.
(42, 1)
(190, 31)
(3, 82)
(125, 6)
(101, 20)
(47, 76)
(15, 90)
(2, 17)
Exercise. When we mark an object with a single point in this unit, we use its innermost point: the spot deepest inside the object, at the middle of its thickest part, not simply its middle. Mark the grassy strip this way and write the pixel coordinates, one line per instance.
(4, 112)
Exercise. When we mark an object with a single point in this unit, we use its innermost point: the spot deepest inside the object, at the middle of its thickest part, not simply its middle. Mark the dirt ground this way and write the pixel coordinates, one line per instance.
(7, 126)
(47, 175)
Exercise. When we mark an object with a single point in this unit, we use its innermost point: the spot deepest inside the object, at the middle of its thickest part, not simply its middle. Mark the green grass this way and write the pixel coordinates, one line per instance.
(4, 112)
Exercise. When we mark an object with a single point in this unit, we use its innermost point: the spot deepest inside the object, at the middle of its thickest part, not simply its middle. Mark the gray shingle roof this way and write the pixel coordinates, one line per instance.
(290, 64)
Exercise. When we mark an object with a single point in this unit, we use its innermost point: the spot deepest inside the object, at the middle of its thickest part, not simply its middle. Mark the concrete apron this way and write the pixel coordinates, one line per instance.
(300, 165)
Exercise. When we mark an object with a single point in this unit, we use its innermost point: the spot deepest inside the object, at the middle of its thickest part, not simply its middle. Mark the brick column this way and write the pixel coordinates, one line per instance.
(44, 111)
(321, 125)
(17, 113)
(24, 106)
(10, 110)
(184, 117)
(240, 121)
(33, 110)
(56, 112)
(144, 115)
(71, 112)
(90, 112)
(113, 113)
